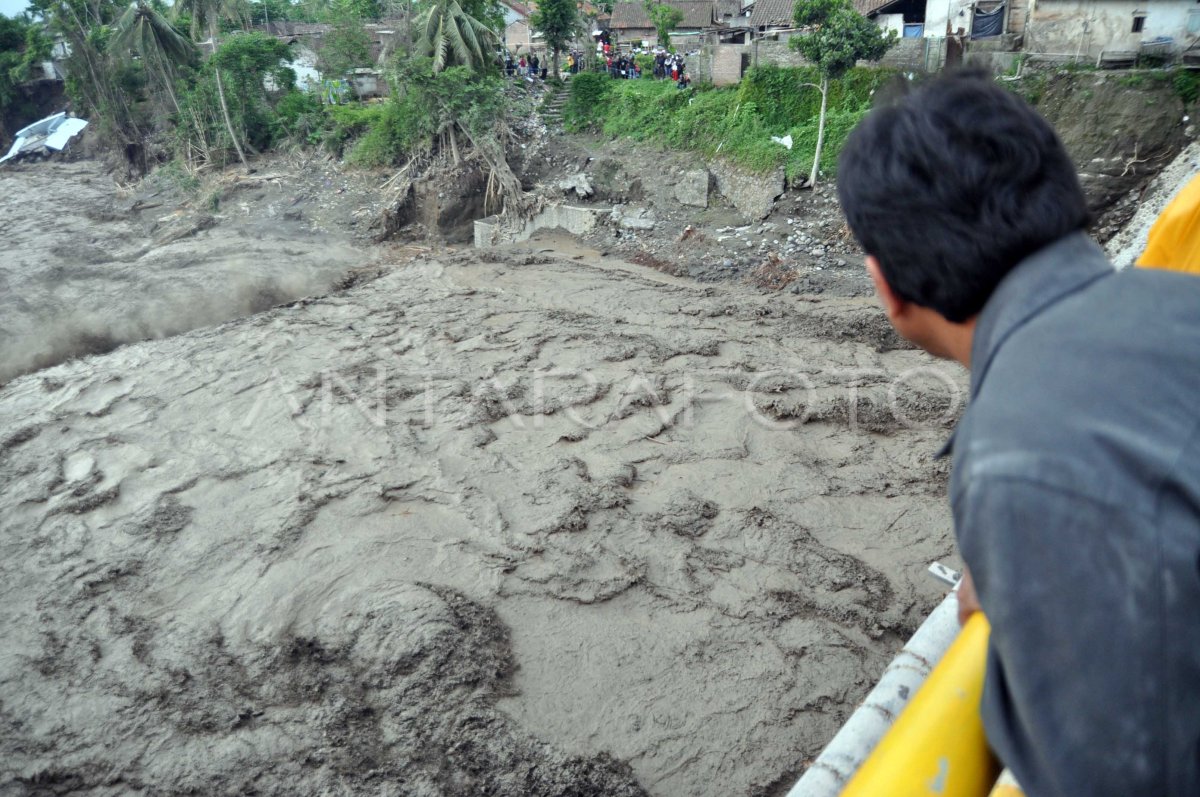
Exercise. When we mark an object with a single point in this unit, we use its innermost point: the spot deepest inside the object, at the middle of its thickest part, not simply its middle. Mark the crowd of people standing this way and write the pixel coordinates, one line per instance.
(666, 65)
(620, 65)
(530, 65)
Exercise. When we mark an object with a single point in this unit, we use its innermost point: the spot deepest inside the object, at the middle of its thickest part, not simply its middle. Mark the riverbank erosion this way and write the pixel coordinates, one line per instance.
(520, 521)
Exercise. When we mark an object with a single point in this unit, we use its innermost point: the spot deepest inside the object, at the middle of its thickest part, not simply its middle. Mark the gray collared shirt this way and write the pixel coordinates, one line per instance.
(1076, 499)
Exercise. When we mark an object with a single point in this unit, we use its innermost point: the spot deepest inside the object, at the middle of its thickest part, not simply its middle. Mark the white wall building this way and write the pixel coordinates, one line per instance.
(1086, 28)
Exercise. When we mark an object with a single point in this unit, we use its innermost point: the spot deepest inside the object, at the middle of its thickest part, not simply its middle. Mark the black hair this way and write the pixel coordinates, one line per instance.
(951, 184)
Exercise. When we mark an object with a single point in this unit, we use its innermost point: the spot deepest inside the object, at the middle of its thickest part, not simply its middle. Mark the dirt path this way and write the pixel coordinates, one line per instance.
(520, 522)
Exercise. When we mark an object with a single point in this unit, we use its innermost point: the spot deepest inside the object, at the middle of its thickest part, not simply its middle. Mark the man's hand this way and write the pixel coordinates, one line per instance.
(968, 601)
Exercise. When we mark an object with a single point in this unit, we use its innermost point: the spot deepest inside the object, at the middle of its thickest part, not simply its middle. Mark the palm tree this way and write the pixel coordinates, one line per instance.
(451, 36)
(206, 15)
(162, 48)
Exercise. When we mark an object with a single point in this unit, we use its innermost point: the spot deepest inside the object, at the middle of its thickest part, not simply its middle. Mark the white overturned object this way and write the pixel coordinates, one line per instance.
(54, 132)
(785, 141)
(64, 133)
(870, 721)
(17, 146)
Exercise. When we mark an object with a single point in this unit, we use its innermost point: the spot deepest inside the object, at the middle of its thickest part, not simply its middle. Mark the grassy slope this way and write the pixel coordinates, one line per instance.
(735, 122)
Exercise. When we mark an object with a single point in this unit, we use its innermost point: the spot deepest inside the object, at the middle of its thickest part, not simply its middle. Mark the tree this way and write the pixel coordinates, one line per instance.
(264, 11)
(162, 48)
(452, 37)
(102, 87)
(21, 46)
(230, 102)
(354, 9)
(205, 16)
(345, 47)
(664, 18)
(558, 22)
(837, 38)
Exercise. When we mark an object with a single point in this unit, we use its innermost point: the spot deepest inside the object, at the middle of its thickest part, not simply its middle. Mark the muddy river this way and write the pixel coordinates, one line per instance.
(520, 521)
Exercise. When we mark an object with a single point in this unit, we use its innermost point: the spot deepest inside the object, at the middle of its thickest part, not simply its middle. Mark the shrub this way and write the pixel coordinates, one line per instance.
(389, 136)
(344, 123)
(1187, 85)
(738, 122)
(585, 104)
(298, 117)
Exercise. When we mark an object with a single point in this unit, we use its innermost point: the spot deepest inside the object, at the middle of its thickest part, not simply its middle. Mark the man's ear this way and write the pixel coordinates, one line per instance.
(893, 305)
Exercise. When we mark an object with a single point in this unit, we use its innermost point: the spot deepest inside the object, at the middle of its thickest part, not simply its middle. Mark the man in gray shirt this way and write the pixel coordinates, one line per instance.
(1076, 480)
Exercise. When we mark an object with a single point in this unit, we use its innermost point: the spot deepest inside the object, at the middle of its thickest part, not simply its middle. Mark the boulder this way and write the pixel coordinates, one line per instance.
(752, 194)
(580, 183)
(692, 188)
(631, 218)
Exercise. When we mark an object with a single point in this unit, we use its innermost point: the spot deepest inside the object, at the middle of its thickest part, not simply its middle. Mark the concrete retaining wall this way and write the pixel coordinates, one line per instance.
(572, 219)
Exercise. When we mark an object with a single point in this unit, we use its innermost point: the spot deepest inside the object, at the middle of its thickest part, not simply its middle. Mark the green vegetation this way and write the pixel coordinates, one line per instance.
(1134, 80)
(584, 108)
(205, 17)
(443, 111)
(227, 110)
(664, 18)
(836, 37)
(345, 47)
(736, 122)
(1031, 86)
(22, 45)
(299, 117)
(1187, 85)
(200, 89)
(450, 36)
(558, 22)
(645, 65)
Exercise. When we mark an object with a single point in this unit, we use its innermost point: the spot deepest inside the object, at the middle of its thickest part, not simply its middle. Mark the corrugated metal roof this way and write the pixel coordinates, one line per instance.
(696, 14)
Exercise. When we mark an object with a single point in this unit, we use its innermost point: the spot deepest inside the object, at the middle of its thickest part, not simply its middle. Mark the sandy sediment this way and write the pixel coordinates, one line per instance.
(519, 522)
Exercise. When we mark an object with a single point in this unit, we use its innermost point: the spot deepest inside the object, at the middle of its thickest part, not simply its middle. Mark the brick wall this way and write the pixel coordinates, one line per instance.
(1018, 13)
(721, 64)
(775, 53)
(516, 36)
(908, 54)
(727, 64)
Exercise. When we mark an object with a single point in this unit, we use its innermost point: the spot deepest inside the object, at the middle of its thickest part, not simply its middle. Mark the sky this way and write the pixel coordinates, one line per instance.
(10, 8)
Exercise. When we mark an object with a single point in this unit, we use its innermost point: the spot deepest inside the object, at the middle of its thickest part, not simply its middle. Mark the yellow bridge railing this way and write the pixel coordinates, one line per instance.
(937, 744)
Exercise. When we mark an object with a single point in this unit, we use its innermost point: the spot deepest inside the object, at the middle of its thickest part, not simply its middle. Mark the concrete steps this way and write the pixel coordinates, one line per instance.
(552, 108)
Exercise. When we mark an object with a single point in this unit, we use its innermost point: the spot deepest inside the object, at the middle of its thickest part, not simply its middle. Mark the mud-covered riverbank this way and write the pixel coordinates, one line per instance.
(517, 521)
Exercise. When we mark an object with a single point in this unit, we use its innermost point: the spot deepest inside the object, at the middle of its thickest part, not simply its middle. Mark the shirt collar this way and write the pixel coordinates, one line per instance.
(1044, 278)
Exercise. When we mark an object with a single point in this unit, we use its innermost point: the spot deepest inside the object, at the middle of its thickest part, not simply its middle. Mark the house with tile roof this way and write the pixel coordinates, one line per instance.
(631, 23)
(772, 15)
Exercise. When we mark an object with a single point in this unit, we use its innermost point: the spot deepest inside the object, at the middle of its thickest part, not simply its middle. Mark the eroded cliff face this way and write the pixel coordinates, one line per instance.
(513, 522)
(1121, 128)
(30, 101)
